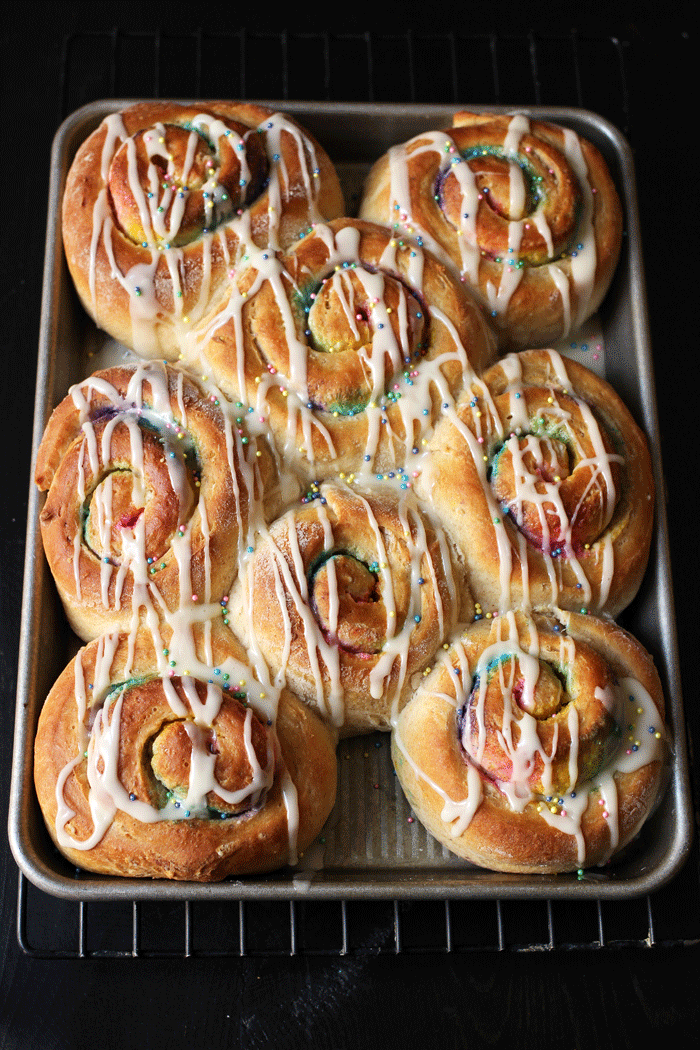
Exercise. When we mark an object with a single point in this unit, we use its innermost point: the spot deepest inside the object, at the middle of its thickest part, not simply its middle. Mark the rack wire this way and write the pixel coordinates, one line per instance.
(56, 929)
(368, 67)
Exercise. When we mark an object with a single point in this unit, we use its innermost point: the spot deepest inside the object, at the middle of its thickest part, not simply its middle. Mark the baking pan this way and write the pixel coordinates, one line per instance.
(371, 846)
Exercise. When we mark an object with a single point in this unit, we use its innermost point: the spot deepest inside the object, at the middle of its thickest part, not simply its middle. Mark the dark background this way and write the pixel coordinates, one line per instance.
(639, 72)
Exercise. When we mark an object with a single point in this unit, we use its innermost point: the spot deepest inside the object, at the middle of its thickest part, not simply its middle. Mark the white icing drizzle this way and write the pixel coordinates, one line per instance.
(161, 210)
(106, 794)
(512, 431)
(131, 412)
(389, 668)
(99, 743)
(381, 362)
(574, 273)
(646, 742)
(457, 813)
(644, 739)
(583, 256)
(393, 387)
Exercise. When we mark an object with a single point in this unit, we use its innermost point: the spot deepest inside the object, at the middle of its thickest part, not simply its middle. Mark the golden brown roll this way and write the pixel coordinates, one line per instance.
(544, 481)
(537, 744)
(162, 199)
(527, 211)
(162, 757)
(153, 489)
(348, 345)
(348, 598)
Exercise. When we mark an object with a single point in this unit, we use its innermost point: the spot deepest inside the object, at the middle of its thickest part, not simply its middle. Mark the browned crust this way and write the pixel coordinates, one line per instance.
(214, 544)
(203, 264)
(454, 482)
(289, 631)
(196, 849)
(332, 443)
(535, 313)
(497, 837)
(427, 752)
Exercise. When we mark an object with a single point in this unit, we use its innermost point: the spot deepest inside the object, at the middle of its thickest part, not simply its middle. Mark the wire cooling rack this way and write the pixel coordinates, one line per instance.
(61, 929)
(369, 67)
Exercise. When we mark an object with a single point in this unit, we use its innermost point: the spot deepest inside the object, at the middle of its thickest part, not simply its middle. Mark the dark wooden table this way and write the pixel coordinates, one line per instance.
(56, 57)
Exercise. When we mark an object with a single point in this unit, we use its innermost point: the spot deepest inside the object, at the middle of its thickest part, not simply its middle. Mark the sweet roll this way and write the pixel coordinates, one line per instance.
(162, 199)
(537, 744)
(544, 480)
(348, 345)
(526, 211)
(152, 492)
(348, 597)
(163, 757)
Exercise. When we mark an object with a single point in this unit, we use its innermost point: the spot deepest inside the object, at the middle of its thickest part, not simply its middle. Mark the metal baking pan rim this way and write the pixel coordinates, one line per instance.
(345, 883)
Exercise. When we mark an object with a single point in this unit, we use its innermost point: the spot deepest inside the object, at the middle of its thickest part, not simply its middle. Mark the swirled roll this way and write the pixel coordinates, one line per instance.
(169, 761)
(162, 199)
(152, 491)
(544, 480)
(527, 211)
(537, 744)
(348, 598)
(348, 345)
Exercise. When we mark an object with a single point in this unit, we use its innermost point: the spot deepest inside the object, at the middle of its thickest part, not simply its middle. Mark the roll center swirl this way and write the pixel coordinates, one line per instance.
(171, 183)
(144, 491)
(538, 724)
(171, 756)
(362, 328)
(347, 603)
(518, 201)
(559, 481)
